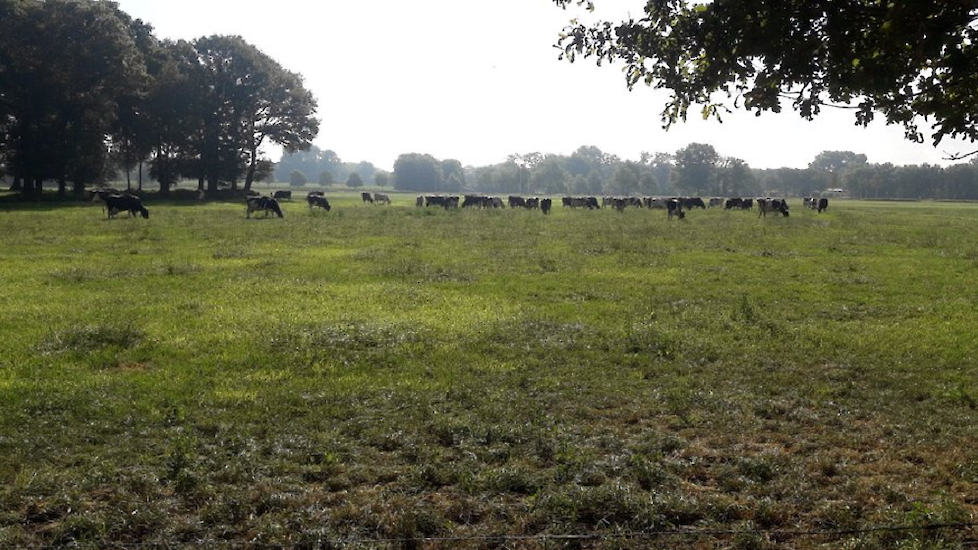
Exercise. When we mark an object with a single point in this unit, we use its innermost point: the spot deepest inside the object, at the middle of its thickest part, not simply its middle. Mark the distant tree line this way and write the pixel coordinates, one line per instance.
(324, 168)
(87, 91)
(695, 170)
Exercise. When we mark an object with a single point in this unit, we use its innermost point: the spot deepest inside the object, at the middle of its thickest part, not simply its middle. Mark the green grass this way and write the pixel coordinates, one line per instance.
(402, 377)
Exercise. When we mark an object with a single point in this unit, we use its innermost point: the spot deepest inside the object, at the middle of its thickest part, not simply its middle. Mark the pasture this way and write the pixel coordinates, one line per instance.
(398, 377)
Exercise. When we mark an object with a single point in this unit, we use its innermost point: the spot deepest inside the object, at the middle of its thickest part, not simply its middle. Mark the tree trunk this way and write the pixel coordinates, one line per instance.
(252, 166)
(18, 184)
(128, 180)
(140, 175)
(62, 186)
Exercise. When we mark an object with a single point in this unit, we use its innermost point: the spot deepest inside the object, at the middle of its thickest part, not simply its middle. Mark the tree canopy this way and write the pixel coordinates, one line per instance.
(83, 86)
(916, 63)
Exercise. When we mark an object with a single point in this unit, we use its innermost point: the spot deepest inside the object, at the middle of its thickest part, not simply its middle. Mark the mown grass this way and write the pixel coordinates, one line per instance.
(402, 377)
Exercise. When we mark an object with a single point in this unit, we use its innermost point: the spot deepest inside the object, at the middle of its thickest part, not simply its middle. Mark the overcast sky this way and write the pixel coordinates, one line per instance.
(477, 81)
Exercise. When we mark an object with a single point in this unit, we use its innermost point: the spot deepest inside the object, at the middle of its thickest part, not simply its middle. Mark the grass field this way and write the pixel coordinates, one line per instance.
(395, 377)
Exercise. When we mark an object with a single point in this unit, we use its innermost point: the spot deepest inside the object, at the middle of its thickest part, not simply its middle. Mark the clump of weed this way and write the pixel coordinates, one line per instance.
(93, 338)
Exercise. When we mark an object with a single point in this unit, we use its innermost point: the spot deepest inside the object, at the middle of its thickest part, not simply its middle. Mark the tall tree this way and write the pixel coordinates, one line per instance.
(251, 99)
(906, 60)
(417, 172)
(695, 171)
(64, 65)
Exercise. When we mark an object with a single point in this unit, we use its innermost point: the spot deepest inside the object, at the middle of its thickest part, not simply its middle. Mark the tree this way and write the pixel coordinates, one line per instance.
(695, 171)
(905, 60)
(326, 178)
(452, 176)
(65, 65)
(354, 181)
(734, 178)
(835, 163)
(297, 179)
(547, 176)
(366, 170)
(251, 99)
(382, 178)
(417, 172)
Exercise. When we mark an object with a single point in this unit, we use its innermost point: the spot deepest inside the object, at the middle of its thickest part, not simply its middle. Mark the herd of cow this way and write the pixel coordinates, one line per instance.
(115, 202)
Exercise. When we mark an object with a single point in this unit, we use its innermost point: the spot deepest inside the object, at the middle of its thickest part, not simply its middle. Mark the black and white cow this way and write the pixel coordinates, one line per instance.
(766, 205)
(282, 195)
(266, 204)
(545, 205)
(675, 208)
(823, 205)
(127, 203)
(318, 199)
(381, 198)
(366, 198)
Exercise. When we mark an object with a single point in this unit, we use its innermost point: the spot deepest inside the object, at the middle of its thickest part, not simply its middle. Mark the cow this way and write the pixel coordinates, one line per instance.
(533, 203)
(445, 202)
(266, 204)
(715, 202)
(366, 198)
(766, 205)
(823, 205)
(583, 202)
(658, 203)
(282, 195)
(318, 199)
(480, 201)
(675, 208)
(739, 203)
(515, 201)
(381, 198)
(130, 203)
(419, 202)
(545, 205)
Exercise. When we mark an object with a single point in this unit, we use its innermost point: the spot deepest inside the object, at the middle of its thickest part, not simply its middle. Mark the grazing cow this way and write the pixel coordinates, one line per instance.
(266, 204)
(545, 205)
(282, 195)
(480, 201)
(128, 203)
(366, 198)
(435, 200)
(419, 202)
(772, 205)
(739, 203)
(583, 202)
(381, 198)
(445, 202)
(533, 203)
(823, 205)
(716, 202)
(659, 203)
(675, 208)
(318, 199)
(515, 201)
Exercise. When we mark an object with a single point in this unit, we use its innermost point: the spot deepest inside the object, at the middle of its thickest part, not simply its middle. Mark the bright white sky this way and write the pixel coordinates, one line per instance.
(477, 81)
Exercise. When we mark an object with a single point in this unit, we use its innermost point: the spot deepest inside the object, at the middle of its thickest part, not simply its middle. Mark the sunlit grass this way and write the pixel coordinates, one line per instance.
(391, 372)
